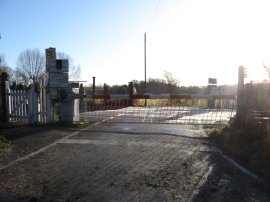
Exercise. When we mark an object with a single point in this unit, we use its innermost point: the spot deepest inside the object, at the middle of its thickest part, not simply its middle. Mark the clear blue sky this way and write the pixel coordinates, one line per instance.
(192, 39)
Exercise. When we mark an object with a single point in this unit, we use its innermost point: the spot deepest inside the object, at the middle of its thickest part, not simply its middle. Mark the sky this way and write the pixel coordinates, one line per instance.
(192, 39)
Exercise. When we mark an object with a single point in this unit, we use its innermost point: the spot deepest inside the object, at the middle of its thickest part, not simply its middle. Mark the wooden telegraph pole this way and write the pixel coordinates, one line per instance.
(145, 85)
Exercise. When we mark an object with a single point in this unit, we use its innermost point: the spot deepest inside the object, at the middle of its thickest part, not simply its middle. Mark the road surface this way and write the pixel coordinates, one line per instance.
(129, 162)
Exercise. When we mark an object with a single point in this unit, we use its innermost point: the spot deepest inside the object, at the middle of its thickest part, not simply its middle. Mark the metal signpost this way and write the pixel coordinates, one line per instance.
(60, 91)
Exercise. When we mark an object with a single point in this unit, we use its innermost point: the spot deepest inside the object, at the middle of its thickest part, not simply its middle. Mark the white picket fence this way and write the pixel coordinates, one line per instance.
(25, 105)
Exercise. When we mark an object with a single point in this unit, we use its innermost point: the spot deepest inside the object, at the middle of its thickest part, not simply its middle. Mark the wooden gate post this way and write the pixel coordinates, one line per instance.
(3, 102)
(131, 92)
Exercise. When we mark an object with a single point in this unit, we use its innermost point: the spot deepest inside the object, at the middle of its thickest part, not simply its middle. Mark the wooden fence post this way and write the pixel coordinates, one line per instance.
(3, 102)
(8, 103)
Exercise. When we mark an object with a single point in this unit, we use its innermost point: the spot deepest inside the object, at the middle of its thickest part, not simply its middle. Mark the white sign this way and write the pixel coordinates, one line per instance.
(54, 65)
(58, 80)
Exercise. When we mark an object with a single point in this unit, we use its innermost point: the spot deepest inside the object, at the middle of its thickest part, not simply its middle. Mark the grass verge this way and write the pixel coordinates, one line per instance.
(247, 142)
(4, 142)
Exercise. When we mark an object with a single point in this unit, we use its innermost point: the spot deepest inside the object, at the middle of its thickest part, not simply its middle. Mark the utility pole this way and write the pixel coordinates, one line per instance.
(145, 86)
(0, 57)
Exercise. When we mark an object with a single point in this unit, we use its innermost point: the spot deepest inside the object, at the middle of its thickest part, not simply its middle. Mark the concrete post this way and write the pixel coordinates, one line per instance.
(70, 110)
(33, 104)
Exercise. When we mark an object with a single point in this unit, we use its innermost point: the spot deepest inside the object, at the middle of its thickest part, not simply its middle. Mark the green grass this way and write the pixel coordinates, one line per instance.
(4, 142)
(81, 124)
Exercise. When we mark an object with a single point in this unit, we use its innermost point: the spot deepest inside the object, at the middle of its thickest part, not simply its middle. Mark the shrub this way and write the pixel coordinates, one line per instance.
(248, 143)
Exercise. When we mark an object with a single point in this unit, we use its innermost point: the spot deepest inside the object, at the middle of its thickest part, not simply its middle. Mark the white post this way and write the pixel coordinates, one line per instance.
(8, 104)
(20, 108)
(45, 102)
(42, 99)
(76, 116)
(48, 109)
(33, 105)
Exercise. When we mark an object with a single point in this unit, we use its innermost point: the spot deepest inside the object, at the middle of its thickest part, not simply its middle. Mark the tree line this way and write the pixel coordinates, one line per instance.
(154, 85)
(167, 84)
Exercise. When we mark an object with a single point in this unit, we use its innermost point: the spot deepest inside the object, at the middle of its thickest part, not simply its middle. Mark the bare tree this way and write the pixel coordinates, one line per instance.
(170, 79)
(30, 66)
(267, 68)
(8, 70)
(74, 71)
(172, 82)
(5, 68)
(2, 60)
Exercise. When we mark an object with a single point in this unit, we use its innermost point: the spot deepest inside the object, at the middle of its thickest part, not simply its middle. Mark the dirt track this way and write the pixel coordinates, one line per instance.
(128, 162)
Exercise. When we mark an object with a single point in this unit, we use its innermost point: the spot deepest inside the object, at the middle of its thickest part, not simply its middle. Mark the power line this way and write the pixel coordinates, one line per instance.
(155, 15)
